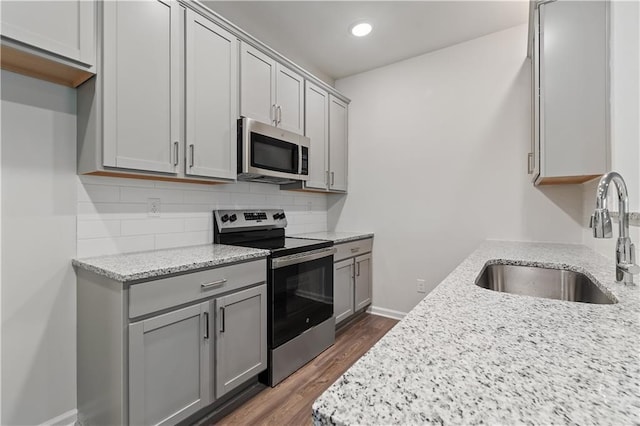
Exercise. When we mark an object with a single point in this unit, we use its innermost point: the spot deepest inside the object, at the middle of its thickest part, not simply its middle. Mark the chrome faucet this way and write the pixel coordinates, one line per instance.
(601, 223)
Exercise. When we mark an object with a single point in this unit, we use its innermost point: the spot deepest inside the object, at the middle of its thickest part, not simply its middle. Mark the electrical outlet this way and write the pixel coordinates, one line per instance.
(153, 207)
(422, 286)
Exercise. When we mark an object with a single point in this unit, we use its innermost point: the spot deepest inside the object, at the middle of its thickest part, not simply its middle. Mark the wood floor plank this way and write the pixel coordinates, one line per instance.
(289, 403)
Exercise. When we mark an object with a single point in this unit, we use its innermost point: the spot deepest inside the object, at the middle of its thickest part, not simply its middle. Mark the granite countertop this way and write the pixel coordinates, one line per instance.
(336, 237)
(468, 355)
(151, 264)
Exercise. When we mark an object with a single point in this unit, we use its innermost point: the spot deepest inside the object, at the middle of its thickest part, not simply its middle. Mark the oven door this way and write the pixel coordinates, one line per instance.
(300, 294)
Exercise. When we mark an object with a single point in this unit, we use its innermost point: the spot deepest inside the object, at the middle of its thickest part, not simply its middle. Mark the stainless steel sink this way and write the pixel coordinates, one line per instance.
(549, 283)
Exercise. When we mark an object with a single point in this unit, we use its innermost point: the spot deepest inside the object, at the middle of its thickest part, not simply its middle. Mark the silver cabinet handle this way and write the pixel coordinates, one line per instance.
(355, 249)
(327, 178)
(333, 178)
(358, 265)
(273, 114)
(206, 325)
(222, 319)
(176, 153)
(192, 148)
(530, 163)
(214, 284)
(279, 114)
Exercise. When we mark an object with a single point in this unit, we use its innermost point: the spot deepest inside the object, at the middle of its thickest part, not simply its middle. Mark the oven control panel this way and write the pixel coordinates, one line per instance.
(249, 219)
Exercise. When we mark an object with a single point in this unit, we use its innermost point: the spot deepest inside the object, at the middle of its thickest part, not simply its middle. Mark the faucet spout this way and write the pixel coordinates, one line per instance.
(623, 200)
(601, 223)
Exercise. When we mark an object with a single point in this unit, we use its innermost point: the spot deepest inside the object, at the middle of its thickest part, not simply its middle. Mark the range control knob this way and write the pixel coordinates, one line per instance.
(233, 218)
(224, 218)
(282, 216)
(276, 216)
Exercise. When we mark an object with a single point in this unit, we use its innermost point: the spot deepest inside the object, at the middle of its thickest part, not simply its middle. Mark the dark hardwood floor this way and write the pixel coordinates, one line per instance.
(289, 403)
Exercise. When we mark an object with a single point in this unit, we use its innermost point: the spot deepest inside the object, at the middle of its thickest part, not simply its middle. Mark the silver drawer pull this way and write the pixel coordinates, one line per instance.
(355, 249)
(214, 284)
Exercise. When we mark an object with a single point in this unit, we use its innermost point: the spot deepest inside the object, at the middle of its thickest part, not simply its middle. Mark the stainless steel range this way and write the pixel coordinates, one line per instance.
(299, 286)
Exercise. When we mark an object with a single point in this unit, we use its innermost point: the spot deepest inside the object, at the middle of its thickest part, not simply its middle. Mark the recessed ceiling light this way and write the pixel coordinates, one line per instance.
(361, 29)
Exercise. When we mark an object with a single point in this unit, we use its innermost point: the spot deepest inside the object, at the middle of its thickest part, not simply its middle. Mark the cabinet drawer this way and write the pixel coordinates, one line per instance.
(152, 296)
(352, 248)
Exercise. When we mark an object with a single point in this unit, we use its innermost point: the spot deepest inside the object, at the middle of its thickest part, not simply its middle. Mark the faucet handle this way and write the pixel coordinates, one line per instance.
(601, 224)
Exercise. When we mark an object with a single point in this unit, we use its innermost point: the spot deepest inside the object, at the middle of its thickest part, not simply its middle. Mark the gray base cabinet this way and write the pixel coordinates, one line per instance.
(159, 351)
(362, 281)
(343, 290)
(241, 338)
(352, 279)
(168, 366)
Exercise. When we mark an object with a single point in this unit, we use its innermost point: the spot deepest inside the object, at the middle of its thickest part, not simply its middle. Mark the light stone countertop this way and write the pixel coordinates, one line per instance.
(336, 237)
(157, 263)
(468, 355)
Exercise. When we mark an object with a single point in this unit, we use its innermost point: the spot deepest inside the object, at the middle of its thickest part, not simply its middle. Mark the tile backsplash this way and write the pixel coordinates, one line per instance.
(114, 213)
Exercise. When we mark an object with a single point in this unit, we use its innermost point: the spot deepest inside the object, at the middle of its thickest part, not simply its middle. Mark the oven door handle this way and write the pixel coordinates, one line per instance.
(294, 259)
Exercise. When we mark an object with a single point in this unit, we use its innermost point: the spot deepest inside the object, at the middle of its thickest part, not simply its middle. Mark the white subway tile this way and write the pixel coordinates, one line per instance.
(152, 225)
(98, 193)
(221, 198)
(198, 197)
(263, 188)
(110, 211)
(98, 228)
(294, 229)
(183, 239)
(141, 195)
(315, 227)
(198, 224)
(105, 246)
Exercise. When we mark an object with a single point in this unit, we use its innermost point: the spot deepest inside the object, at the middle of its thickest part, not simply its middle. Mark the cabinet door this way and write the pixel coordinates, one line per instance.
(316, 128)
(343, 290)
(289, 100)
(65, 28)
(212, 98)
(363, 281)
(169, 366)
(257, 85)
(141, 85)
(573, 88)
(337, 144)
(241, 337)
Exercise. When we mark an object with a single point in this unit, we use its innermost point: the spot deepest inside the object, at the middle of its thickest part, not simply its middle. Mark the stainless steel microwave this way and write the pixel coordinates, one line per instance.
(270, 154)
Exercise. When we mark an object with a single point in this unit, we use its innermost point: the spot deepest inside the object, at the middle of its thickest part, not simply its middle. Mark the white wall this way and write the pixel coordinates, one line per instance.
(38, 243)
(437, 155)
(113, 213)
(625, 121)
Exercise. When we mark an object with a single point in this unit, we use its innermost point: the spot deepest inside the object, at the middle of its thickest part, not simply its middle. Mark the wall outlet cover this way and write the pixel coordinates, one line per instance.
(153, 207)
(421, 286)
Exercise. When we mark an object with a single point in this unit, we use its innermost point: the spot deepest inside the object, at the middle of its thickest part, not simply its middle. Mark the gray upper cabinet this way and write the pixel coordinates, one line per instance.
(289, 99)
(169, 366)
(141, 93)
(50, 40)
(241, 337)
(257, 85)
(316, 128)
(570, 91)
(211, 99)
(270, 92)
(338, 150)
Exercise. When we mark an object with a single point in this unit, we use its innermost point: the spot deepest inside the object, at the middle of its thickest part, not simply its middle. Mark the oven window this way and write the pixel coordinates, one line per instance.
(301, 297)
(273, 154)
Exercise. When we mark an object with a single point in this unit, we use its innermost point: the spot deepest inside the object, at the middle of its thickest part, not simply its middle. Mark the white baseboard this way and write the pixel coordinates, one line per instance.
(65, 419)
(389, 313)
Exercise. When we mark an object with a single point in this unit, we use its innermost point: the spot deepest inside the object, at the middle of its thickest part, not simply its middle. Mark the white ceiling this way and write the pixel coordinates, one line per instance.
(314, 34)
